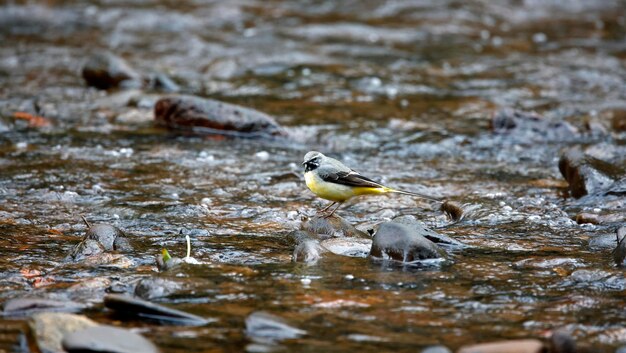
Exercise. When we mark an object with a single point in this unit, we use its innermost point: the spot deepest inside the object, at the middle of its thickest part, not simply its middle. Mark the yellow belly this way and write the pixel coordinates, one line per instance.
(336, 192)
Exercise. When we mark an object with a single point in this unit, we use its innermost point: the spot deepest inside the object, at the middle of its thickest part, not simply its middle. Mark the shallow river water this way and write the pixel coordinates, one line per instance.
(403, 91)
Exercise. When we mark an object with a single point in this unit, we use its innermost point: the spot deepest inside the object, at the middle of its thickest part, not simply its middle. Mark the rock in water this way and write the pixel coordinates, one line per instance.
(107, 339)
(50, 328)
(418, 227)
(332, 227)
(400, 242)
(135, 307)
(105, 70)
(526, 126)
(203, 115)
(262, 326)
(582, 173)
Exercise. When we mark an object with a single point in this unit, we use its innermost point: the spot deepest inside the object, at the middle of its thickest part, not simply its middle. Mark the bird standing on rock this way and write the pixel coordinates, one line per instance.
(332, 180)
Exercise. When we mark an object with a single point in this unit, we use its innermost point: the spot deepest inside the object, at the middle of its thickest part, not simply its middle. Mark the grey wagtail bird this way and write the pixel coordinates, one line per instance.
(332, 180)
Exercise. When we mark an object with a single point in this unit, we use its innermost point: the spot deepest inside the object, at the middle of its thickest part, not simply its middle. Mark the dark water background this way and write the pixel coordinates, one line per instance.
(403, 91)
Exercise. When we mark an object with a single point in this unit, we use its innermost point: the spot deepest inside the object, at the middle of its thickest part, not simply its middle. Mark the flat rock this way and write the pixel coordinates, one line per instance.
(106, 339)
(106, 70)
(134, 307)
(265, 327)
(28, 306)
(50, 328)
(419, 227)
(403, 243)
(513, 346)
(332, 227)
(210, 116)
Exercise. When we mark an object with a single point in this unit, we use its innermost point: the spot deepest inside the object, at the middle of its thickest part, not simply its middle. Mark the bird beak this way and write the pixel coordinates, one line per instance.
(303, 163)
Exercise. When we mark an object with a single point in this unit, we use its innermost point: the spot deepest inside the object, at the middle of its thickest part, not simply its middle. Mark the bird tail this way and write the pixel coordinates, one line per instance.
(427, 197)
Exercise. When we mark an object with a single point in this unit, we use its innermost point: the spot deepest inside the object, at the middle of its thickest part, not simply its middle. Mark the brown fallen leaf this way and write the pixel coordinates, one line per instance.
(33, 120)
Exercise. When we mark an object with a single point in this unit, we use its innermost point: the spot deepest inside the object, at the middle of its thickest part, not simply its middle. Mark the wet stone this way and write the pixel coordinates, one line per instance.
(106, 70)
(529, 126)
(418, 227)
(155, 287)
(107, 339)
(400, 242)
(163, 83)
(210, 116)
(134, 307)
(28, 306)
(513, 346)
(603, 241)
(332, 227)
(50, 328)
(265, 327)
(585, 217)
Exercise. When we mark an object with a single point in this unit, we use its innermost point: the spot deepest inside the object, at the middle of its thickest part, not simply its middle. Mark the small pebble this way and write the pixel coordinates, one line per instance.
(305, 281)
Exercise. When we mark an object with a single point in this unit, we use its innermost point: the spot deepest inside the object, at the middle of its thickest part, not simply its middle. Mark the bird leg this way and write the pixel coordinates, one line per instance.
(326, 208)
(333, 211)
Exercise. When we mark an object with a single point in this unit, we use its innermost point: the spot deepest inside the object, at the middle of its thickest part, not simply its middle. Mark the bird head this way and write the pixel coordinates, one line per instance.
(312, 160)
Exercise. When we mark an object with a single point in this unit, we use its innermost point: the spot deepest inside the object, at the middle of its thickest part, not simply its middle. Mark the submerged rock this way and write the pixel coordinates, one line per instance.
(332, 227)
(401, 242)
(49, 329)
(265, 327)
(203, 115)
(135, 307)
(106, 70)
(513, 346)
(419, 228)
(107, 339)
(530, 126)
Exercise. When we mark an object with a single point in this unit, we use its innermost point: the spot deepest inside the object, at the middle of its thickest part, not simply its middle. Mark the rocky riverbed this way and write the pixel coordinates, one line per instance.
(127, 127)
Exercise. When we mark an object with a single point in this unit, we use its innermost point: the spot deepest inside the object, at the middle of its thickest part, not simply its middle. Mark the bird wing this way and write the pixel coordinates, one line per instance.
(349, 178)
